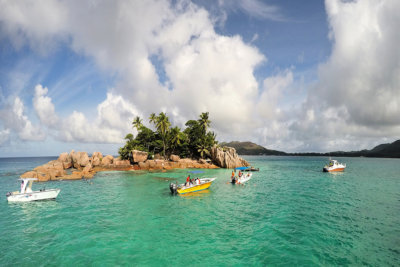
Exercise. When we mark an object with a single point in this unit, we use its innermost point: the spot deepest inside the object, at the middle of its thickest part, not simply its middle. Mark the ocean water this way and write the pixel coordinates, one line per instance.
(289, 213)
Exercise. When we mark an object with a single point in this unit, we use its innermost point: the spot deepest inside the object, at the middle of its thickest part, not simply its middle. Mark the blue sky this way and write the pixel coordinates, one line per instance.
(289, 75)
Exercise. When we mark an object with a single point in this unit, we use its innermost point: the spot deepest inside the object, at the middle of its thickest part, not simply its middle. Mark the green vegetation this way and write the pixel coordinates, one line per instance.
(391, 150)
(249, 148)
(194, 141)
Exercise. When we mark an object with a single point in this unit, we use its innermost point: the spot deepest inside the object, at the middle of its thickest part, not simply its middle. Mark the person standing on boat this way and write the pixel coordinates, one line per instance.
(188, 180)
(22, 186)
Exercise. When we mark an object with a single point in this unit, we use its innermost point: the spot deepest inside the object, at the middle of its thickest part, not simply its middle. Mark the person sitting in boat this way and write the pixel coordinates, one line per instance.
(22, 186)
(240, 174)
(197, 181)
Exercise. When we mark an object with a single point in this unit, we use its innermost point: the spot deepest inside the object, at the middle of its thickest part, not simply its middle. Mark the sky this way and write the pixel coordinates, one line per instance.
(295, 76)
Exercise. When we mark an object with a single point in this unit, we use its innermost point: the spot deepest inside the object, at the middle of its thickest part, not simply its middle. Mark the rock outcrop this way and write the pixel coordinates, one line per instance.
(79, 159)
(119, 163)
(139, 156)
(80, 165)
(56, 169)
(66, 160)
(160, 164)
(227, 157)
(107, 161)
(174, 158)
(96, 159)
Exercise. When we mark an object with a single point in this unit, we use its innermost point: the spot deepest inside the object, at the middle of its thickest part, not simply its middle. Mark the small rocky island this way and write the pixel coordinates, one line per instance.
(79, 165)
(164, 148)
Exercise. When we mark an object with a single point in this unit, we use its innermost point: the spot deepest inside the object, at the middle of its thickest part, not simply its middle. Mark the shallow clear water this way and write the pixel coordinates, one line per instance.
(289, 213)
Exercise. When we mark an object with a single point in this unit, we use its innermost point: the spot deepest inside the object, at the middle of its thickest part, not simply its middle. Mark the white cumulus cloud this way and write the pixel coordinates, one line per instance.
(4, 136)
(168, 57)
(15, 119)
(113, 121)
(44, 106)
(356, 101)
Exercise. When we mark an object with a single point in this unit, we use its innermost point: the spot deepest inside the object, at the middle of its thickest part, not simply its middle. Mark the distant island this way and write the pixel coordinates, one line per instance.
(249, 148)
(390, 150)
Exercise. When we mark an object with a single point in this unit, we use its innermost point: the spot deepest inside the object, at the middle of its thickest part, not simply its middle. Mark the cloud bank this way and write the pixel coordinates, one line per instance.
(357, 97)
(169, 57)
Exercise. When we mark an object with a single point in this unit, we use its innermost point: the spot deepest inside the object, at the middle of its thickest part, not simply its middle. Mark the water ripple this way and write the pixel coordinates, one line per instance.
(290, 213)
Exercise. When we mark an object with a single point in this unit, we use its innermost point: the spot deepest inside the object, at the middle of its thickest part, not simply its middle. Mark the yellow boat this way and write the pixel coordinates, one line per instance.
(182, 189)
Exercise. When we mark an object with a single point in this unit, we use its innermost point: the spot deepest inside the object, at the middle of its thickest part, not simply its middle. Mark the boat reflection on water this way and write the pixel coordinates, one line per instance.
(196, 193)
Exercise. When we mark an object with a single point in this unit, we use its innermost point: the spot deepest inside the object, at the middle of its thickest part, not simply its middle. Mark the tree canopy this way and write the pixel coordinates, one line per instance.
(195, 141)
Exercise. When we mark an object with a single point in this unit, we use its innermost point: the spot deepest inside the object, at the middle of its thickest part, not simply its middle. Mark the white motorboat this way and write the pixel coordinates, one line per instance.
(334, 166)
(242, 179)
(26, 194)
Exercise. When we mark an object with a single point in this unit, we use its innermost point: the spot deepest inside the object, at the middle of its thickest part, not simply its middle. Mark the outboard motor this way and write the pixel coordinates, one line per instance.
(174, 188)
(233, 181)
(8, 194)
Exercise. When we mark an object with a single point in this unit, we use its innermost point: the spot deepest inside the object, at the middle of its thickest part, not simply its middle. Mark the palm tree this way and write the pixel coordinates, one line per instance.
(152, 118)
(204, 121)
(202, 149)
(137, 123)
(176, 137)
(162, 125)
(129, 137)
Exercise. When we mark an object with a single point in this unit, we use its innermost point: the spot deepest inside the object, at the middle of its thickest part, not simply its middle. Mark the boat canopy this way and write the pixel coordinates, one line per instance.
(241, 168)
(26, 185)
(196, 171)
(27, 179)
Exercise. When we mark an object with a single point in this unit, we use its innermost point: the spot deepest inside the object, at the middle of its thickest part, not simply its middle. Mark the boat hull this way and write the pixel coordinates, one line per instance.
(252, 170)
(195, 188)
(243, 179)
(333, 170)
(34, 196)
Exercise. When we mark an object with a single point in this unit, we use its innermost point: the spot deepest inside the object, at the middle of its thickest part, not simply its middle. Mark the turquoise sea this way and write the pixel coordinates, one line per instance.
(289, 213)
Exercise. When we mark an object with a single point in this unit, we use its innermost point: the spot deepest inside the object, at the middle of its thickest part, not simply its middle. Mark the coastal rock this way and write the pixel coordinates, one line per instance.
(144, 165)
(84, 159)
(96, 159)
(50, 170)
(160, 164)
(87, 171)
(42, 177)
(66, 160)
(187, 163)
(227, 157)
(107, 160)
(76, 175)
(174, 158)
(30, 174)
(119, 163)
(139, 156)
(79, 159)
(158, 156)
(87, 168)
(202, 161)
